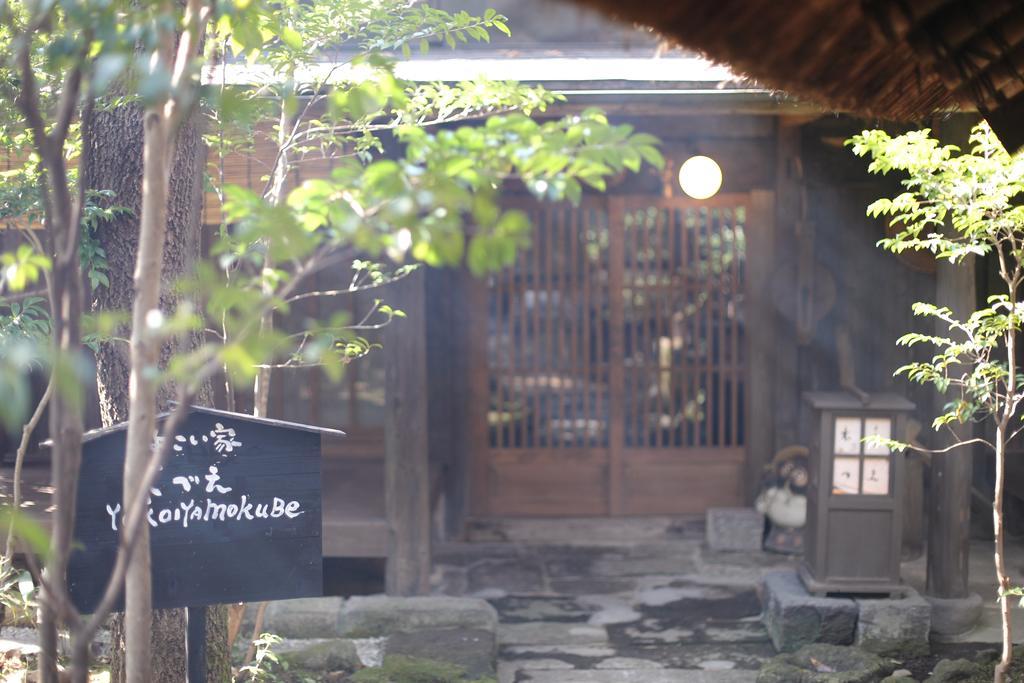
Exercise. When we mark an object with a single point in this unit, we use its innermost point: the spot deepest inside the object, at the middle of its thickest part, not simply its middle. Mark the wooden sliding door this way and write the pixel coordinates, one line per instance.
(615, 362)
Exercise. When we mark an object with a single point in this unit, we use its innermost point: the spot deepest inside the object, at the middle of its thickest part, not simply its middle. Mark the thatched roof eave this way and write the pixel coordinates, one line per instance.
(890, 59)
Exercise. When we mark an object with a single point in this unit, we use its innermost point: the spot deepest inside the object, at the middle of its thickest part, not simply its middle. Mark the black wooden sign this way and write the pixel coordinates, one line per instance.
(234, 516)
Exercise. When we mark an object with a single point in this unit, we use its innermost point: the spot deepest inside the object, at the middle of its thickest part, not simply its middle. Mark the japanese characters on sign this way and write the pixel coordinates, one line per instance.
(235, 514)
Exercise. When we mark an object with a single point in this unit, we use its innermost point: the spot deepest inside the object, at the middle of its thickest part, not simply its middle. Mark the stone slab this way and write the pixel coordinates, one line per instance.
(474, 650)
(321, 654)
(634, 676)
(517, 576)
(553, 652)
(302, 618)
(795, 618)
(734, 529)
(379, 615)
(674, 655)
(894, 628)
(543, 633)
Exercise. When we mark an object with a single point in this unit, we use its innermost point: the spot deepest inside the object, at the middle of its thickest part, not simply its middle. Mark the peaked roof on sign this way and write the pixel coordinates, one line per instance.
(893, 59)
(242, 417)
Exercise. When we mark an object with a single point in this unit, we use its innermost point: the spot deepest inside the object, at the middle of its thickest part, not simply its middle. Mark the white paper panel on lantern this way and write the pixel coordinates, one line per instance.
(876, 477)
(880, 427)
(846, 476)
(847, 437)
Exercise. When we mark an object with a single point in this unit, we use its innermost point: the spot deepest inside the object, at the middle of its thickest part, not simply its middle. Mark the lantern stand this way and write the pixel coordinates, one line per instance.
(854, 528)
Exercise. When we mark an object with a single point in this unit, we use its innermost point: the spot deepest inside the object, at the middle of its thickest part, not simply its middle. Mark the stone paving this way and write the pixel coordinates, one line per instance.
(656, 611)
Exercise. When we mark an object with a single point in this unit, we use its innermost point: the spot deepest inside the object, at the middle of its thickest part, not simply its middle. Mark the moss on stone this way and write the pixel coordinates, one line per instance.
(967, 671)
(821, 663)
(403, 669)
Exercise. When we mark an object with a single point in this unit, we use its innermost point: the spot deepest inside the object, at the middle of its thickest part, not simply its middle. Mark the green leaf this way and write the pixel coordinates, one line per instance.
(107, 68)
(27, 529)
(290, 37)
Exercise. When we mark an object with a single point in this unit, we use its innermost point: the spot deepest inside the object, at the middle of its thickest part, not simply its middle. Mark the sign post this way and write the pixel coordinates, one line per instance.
(195, 646)
(235, 516)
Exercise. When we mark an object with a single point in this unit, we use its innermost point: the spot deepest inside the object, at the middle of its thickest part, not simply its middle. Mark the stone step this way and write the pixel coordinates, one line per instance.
(510, 675)
(551, 633)
(679, 655)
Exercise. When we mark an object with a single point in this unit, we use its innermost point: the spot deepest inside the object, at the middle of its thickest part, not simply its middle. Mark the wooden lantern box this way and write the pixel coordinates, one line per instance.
(854, 525)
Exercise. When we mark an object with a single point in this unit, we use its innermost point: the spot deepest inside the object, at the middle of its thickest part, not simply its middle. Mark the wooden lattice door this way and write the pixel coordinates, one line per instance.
(616, 362)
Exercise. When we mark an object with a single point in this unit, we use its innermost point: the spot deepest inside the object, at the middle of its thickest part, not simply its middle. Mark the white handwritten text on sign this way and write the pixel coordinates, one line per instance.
(238, 498)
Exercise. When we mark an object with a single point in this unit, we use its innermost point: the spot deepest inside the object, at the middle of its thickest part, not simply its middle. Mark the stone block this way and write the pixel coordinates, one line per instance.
(894, 627)
(956, 671)
(473, 650)
(546, 632)
(734, 529)
(954, 616)
(302, 618)
(379, 615)
(322, 654)
(517, 576)
(794, 617)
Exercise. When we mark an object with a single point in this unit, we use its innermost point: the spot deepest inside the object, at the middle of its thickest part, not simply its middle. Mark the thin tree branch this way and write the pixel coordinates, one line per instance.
(947, 449)
(19, 460)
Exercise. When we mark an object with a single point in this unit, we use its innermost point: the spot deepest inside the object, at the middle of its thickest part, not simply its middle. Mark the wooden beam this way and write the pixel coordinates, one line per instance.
(760, 332)
(406, 465)
(666, 102)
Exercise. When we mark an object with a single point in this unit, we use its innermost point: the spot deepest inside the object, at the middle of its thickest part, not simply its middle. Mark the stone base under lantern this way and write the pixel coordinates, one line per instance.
(795, 617)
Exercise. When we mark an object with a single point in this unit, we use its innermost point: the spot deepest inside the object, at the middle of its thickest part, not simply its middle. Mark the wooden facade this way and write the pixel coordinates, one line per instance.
(647, 354)
(644, 356)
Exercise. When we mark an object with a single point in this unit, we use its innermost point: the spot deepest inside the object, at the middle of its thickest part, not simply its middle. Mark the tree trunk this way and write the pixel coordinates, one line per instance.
(1006, 657)
(116, 165)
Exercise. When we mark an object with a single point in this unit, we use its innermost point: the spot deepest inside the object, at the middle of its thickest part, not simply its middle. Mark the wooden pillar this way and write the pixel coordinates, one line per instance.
(471, 395)
(465, 297)
(406, 465)
(949, 505)
(760, 322)
(788, 213)
(616, 354)
(443, 377)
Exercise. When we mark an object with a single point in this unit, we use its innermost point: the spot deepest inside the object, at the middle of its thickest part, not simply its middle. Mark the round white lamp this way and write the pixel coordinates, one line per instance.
(700, 177)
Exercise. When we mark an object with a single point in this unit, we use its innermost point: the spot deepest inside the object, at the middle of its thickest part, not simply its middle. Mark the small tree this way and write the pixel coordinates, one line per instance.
(956, 204)
(58, 58)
